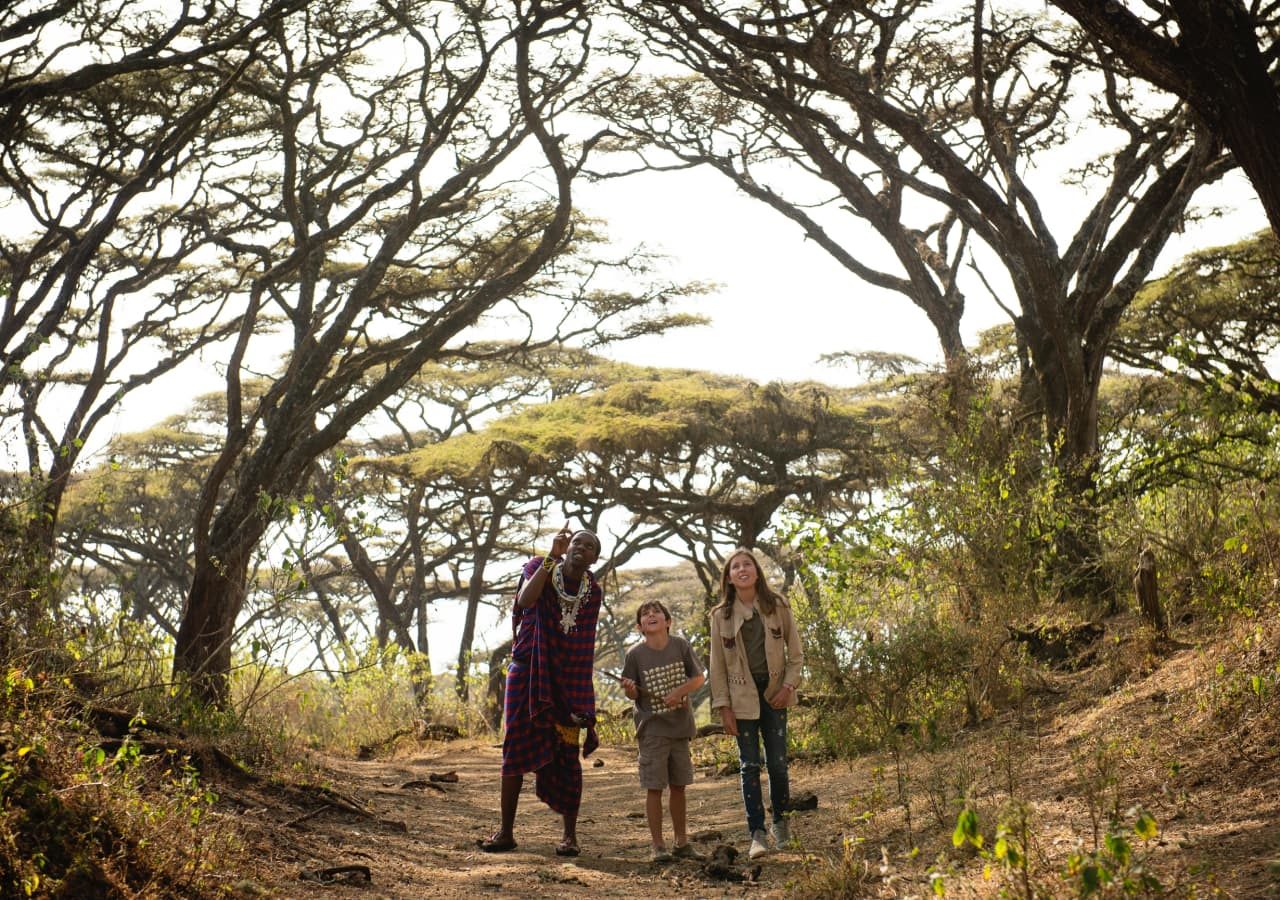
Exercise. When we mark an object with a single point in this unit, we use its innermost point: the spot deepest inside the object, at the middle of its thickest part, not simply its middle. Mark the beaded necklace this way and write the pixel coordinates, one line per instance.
(569, 603)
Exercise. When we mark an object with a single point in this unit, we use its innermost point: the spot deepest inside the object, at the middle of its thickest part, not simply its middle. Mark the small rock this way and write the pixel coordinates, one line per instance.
(721, 866)
(805, 800)
(599, 764)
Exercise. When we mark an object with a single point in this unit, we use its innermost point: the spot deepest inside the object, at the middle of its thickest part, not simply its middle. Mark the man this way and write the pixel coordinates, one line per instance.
(550, 696)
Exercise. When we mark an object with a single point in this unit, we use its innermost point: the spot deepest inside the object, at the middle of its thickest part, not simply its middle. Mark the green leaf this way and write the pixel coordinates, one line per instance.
(967, 830)
(1090, 880)
(1146, 827)
(1118, 847)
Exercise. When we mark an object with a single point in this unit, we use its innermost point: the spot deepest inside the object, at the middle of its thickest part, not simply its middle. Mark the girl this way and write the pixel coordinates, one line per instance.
(755, 669)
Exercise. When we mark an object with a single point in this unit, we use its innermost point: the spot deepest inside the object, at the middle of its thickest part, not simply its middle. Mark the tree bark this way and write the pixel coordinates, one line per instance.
(1148, 590)
(497, 692)
(202, 651)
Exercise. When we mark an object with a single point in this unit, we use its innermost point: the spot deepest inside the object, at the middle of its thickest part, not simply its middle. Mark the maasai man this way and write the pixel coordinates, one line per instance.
(550, 697)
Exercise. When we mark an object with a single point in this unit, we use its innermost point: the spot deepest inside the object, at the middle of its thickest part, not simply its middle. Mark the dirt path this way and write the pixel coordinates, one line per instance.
(433, 853)
(1209, 774)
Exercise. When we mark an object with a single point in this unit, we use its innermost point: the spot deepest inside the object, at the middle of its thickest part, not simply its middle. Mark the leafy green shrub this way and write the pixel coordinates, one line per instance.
(1117, 867)
(879, 668)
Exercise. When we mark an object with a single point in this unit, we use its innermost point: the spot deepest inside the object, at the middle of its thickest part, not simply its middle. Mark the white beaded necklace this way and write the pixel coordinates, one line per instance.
(569, 603)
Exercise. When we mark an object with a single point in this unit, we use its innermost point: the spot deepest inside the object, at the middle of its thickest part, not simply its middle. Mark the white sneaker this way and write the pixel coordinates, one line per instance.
(781, 833)
(759, 844)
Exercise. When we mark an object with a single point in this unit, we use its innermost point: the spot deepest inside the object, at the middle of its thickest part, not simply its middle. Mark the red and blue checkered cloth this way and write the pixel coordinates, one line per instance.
(549, 680)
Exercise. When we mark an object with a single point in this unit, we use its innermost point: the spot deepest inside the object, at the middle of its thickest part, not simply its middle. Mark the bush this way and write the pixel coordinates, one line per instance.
(77, 820)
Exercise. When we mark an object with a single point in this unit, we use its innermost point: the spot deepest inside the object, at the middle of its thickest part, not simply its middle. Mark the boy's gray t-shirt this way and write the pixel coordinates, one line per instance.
(658, 673)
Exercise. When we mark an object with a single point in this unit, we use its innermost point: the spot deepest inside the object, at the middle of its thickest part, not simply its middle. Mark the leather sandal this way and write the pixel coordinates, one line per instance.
(496, 844)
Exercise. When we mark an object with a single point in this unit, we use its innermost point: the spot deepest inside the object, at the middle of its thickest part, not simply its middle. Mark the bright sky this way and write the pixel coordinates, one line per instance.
(783, 301)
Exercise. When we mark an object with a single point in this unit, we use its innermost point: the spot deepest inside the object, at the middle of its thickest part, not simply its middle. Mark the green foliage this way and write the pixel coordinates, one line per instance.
(1212, 321)
(642, 410)
(1119, 866)
(361, 705)
(882, 663)
(1009, 851)
(79, 820)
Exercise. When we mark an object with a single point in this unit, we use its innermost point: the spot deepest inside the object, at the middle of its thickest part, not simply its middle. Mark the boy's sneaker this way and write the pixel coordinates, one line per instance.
(781, 833)
(686, 851)
(660, 855)
(759, 844)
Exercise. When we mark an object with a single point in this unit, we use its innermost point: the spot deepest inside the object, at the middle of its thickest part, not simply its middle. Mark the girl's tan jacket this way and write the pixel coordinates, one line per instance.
(731, 682)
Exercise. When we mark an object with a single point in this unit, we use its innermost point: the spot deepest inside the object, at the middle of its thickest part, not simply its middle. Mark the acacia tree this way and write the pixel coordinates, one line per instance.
(1213, 321)
(887, 121)
(382, 216)
(715, 462)
(103, 107)
(1201, 340)
(1221, 57)
(693, 459)
(437, 536)
(125, 533)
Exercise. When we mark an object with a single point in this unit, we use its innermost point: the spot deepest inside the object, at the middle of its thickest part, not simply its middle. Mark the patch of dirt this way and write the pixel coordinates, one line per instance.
(1167, 734)
(420, 842)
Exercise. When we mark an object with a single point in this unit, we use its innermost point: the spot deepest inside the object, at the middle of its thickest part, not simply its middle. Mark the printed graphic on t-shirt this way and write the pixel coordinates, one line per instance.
(660, 681)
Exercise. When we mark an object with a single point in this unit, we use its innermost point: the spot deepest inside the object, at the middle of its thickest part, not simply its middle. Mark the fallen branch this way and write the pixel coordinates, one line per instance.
(294, 823)
(367, 751)
(332, 874)
(419, 784)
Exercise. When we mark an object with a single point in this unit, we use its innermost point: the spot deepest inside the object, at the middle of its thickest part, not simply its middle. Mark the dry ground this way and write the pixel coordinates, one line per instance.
(434, 853)
(1084, 744)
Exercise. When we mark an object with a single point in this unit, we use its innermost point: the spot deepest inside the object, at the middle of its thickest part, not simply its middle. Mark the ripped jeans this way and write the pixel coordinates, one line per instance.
(772, 727)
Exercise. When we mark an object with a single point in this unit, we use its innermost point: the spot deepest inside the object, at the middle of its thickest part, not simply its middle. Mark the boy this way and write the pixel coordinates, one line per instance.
(659, 675)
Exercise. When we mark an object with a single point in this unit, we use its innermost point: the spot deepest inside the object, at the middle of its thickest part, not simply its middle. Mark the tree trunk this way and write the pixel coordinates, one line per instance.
(1216, 65)
(475, 592)
(497, 685)
(202, 651)
(423, 680)
(1245, 106)
(1148, 590)
(483, 550)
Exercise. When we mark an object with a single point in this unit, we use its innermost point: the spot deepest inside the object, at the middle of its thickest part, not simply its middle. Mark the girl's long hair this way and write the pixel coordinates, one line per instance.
(765, 596)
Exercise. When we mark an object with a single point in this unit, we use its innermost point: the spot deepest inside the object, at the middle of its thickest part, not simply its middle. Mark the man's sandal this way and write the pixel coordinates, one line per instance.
(496, 844)
(567, 848)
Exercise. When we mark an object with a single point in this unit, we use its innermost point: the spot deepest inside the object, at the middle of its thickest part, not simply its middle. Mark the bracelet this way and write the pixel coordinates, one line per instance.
(548, 563)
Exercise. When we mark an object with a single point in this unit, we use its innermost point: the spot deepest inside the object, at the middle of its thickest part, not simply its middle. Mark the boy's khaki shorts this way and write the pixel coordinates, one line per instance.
(664, 762)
